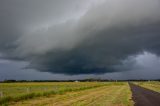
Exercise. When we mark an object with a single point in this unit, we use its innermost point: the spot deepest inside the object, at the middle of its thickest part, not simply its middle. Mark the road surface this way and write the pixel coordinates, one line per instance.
(144, 97)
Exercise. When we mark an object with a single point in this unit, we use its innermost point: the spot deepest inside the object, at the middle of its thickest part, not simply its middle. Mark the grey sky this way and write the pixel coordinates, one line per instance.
(68, 39)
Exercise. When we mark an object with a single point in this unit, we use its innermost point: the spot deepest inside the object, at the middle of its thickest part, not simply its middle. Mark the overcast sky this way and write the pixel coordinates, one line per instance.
(77, 39)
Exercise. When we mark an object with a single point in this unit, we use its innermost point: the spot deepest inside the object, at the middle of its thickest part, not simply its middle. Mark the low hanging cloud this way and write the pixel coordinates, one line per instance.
(79, 37)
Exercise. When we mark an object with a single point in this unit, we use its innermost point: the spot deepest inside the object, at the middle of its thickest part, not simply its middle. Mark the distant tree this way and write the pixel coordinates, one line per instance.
(9, 81)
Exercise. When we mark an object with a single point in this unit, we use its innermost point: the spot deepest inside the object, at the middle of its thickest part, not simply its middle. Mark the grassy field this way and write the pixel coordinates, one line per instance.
(66, 94)
(153, 85)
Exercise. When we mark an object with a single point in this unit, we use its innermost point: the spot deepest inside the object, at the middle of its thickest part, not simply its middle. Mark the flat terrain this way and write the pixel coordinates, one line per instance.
(21, 89)
(81, 94)
(113, 95)
(152, 85)
(144, 97)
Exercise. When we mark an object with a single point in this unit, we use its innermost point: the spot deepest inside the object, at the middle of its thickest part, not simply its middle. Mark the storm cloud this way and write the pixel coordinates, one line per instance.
(79, 36)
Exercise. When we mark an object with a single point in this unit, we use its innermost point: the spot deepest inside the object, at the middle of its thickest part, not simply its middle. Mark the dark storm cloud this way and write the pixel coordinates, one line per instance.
(101, 53)
(78, 37)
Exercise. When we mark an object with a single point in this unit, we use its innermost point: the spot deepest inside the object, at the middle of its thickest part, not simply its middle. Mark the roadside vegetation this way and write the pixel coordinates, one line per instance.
(67, 94)
(14, 92)
(152, 85)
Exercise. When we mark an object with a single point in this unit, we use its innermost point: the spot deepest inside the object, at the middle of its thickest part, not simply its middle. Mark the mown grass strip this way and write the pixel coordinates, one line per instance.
(8, 99)
(111, 95)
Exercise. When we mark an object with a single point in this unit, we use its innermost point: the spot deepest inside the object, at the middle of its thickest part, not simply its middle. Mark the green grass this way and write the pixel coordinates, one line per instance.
(111, 94)
(23, 91)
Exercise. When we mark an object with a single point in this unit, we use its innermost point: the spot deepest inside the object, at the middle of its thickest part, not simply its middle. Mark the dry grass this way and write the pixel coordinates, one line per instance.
(152, 85)
(113, 94)
(12, 92)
